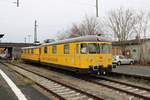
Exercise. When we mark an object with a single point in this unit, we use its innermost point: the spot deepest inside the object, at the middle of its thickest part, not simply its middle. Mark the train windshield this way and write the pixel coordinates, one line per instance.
(95, 48)
(105, 48)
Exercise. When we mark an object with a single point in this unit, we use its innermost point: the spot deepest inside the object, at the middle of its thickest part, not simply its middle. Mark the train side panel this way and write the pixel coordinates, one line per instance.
(31, 54)
(67, 59)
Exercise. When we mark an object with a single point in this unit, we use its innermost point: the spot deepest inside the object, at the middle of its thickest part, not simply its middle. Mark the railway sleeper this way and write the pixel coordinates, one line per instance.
(127, 88)
(63, 90)
(147, 95)
(56, 86)
(83, 97)
(123, 86)
(50, 82)
(57, 89)
(142, 92)
(133, 90)
(77, 97)
(66, 92)
(72, 95)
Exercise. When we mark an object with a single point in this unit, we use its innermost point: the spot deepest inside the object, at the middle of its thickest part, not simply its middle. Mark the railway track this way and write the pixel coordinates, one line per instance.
(130, 89)
(60, 90)
(123, 87)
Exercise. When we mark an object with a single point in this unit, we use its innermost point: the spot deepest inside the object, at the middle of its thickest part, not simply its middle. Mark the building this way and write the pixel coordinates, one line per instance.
(139, 49)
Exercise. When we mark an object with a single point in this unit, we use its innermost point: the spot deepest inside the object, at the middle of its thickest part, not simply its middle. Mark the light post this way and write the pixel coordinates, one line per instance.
(35, 31)
(97, 8)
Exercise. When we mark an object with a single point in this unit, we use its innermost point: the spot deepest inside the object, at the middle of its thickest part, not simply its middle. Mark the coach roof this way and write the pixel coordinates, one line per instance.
(88, 38)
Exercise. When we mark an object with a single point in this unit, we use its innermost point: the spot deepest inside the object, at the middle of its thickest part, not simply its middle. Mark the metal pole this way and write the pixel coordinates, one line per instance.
(35, 32)
(17, 3)
(96, 8)
(25, 40)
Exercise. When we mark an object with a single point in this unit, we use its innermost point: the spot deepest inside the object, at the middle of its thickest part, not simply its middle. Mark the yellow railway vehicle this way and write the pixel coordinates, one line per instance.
(87, 54)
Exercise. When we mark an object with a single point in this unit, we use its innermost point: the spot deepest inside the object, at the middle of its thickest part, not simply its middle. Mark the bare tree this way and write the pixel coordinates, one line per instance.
(89, 26)
(121, 23)
(75, 31)
(63, 34)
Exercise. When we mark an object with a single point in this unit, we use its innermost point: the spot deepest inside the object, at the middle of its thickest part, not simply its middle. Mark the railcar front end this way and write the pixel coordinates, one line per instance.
(96, 57)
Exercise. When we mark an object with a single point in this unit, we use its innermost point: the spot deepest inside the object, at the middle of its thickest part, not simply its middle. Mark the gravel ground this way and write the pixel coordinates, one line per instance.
(108, 94)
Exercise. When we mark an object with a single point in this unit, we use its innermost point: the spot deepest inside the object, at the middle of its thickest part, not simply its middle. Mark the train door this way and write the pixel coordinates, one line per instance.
(77, 55)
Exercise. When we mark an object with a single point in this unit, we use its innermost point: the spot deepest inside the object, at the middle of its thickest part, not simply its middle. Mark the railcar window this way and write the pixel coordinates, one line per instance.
(45, 49)
(84, 48)
(66, 49)
(54, 49)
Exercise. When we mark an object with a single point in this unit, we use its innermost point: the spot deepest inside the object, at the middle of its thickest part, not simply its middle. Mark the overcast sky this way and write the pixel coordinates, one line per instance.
(53, 15)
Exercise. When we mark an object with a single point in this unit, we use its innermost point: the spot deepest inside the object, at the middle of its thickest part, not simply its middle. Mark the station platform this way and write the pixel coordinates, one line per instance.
(133, 70)
(24, 85)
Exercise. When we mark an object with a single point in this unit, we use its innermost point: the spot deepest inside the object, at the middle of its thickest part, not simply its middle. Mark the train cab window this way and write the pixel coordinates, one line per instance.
(66, 49)
(105, 48)
(84, 48)
(45, 49)
(93, 48)
(54, 49)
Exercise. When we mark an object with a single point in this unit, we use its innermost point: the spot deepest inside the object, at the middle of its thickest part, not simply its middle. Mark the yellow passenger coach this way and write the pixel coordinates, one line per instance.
(87, 54)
